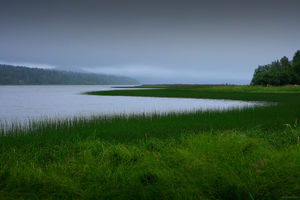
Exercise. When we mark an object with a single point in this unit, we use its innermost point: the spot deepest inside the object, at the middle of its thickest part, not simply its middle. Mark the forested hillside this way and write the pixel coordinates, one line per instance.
(11, 75)
(279, 72)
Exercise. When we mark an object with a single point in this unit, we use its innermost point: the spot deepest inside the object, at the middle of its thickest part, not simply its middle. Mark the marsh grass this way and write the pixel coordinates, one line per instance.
(248, 153)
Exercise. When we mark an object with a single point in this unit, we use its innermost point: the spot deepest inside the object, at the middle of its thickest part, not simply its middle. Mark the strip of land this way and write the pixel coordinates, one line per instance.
(248, 153)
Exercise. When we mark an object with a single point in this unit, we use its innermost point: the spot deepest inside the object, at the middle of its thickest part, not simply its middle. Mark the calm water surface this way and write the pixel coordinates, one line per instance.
(20, 103)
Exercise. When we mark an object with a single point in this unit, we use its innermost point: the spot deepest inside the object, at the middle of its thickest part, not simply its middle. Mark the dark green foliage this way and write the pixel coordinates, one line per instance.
(296, 58)
(10, 75)
(284, 61)
(278, 73)
(296, 64)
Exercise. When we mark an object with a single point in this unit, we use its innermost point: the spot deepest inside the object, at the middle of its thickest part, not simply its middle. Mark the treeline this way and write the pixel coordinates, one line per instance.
(279, 72)
(16, 75)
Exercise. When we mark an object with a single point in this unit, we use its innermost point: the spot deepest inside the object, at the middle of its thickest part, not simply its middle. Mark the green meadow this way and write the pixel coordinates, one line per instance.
(249, 153)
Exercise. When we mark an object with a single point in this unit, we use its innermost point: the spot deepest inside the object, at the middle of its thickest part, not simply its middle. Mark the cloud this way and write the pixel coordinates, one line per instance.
(30, 65)
(159, 74)
(153, 41)
(140, 71)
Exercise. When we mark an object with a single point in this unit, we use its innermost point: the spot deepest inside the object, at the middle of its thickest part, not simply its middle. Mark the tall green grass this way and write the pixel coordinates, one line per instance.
(223, 165)
(249, 153)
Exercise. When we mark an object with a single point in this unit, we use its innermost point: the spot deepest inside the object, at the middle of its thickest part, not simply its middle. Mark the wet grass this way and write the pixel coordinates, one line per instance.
(250, 153)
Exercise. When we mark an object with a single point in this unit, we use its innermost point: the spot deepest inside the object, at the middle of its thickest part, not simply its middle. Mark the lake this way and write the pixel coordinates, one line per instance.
(21, 103)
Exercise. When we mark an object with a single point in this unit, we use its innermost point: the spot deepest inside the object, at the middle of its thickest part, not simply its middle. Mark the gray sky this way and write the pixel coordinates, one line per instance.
(155, 41)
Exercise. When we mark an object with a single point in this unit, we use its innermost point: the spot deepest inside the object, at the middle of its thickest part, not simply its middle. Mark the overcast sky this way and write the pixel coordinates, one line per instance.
(154, 41)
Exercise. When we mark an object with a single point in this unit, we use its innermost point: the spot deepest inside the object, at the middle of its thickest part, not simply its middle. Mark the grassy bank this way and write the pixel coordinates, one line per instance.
(251, 153)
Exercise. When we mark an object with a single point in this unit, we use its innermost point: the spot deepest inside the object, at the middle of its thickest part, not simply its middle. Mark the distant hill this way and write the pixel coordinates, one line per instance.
(19, 75)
